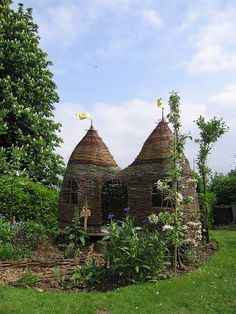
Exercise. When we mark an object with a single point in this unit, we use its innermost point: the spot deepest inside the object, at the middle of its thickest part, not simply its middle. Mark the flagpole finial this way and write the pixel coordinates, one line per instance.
(160, 104)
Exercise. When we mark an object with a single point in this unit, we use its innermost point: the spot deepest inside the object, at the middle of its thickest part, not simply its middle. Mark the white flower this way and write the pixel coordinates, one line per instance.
(179, 197)
(167, 227)
(153, 219)
(160, 185)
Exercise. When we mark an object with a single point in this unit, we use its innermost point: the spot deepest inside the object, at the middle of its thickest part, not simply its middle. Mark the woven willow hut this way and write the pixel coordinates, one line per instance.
(93, 174)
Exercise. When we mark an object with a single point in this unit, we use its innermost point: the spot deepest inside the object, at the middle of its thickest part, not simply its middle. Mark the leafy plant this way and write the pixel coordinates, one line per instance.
(19, 239)
(224, 187)
(28, 94)
(29, 201)
(133, 253)
(6, 231)
(84, 276)
(28, 280)
(210, 132)
(29, 234)
(75, 235)
(58, 276)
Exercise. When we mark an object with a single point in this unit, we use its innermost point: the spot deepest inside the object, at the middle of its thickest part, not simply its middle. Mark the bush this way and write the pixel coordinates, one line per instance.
(29, 234)
(134, 253)
(6, 231)
(75, 237)
(26, 200)
(28, 280)
(224, 186)
(85, 276)
(20, 239)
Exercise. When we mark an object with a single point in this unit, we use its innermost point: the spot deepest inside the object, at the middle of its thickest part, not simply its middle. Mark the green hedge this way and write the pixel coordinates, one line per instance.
(224, 186)
(29, 201)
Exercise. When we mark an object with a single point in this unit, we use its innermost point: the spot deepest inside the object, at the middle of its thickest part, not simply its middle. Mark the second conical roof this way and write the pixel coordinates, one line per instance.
(157, 146)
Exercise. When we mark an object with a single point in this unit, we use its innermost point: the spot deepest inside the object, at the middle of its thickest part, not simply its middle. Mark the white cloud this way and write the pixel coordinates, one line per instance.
(215, 44)
(226, 98)
(61, 24)
(152, 18)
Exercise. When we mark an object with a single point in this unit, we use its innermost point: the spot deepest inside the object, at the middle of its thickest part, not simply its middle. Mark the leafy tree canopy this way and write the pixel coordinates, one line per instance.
(28, 133)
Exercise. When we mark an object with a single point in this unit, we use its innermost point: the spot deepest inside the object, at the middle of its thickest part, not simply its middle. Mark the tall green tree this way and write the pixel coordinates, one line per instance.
(210, 132)
(28, 133)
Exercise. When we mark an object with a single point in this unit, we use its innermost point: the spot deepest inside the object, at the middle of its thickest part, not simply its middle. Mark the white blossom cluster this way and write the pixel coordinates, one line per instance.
(167, 227)
(153, 219)
(196, 227)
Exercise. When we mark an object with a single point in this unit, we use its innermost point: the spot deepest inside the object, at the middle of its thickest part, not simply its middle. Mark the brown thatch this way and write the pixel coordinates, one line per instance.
(157, 145)
(92, 150)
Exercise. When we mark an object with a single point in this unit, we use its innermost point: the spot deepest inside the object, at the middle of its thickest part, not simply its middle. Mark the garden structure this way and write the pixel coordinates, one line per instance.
(92, 175)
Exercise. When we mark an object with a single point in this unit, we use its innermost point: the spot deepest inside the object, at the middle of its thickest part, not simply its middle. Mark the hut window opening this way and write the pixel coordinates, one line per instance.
(159, 199)
(70, 192)
(114, 197)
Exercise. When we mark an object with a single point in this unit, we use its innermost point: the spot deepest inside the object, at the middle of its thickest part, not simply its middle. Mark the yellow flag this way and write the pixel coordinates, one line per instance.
(81, 116)
(160, 103)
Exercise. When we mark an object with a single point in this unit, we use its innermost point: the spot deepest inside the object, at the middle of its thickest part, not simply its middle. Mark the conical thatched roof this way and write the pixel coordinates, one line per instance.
(156, 147)
(91, 150)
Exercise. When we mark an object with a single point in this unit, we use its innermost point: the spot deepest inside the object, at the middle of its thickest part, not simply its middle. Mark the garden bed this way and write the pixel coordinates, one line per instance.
(52, 270)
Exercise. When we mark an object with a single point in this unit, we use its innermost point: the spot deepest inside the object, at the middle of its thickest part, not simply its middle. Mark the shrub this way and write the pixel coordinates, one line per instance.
(75, 236)
(19, 239)
(7, 251)
(26, 200)
(224, 186)
(85, 276)
(28, 280)
(134, 253)
(6, 232)
(29, 234)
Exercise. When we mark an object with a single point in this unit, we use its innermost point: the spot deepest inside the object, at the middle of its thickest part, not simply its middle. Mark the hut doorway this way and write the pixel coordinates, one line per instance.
(114, 198)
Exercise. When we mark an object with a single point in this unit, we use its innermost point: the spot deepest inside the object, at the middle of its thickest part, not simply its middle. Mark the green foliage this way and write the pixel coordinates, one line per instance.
(75, 235)
(18, 240)
(133, 253)
(29, 234)
(85, 276)
(26, 200)
(224, 187)
(28, 280)
(27, 96)
(6, 232)
(210, 132)
(7, 251)
(58, 275)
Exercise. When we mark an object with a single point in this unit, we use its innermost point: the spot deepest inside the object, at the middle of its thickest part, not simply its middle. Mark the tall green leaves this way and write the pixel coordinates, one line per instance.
(27, 97)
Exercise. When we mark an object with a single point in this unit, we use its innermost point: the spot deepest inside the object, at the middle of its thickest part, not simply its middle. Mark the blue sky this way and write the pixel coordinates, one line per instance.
(114, 58)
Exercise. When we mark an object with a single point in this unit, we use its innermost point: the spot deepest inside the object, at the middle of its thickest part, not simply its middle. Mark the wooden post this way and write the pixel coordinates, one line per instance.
(85, 213)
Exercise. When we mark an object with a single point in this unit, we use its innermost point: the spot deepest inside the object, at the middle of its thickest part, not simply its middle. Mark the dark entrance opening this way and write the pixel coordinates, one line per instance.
(114, 199)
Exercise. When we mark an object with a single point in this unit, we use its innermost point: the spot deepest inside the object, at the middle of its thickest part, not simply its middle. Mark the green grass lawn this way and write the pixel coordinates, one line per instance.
(210, 289)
